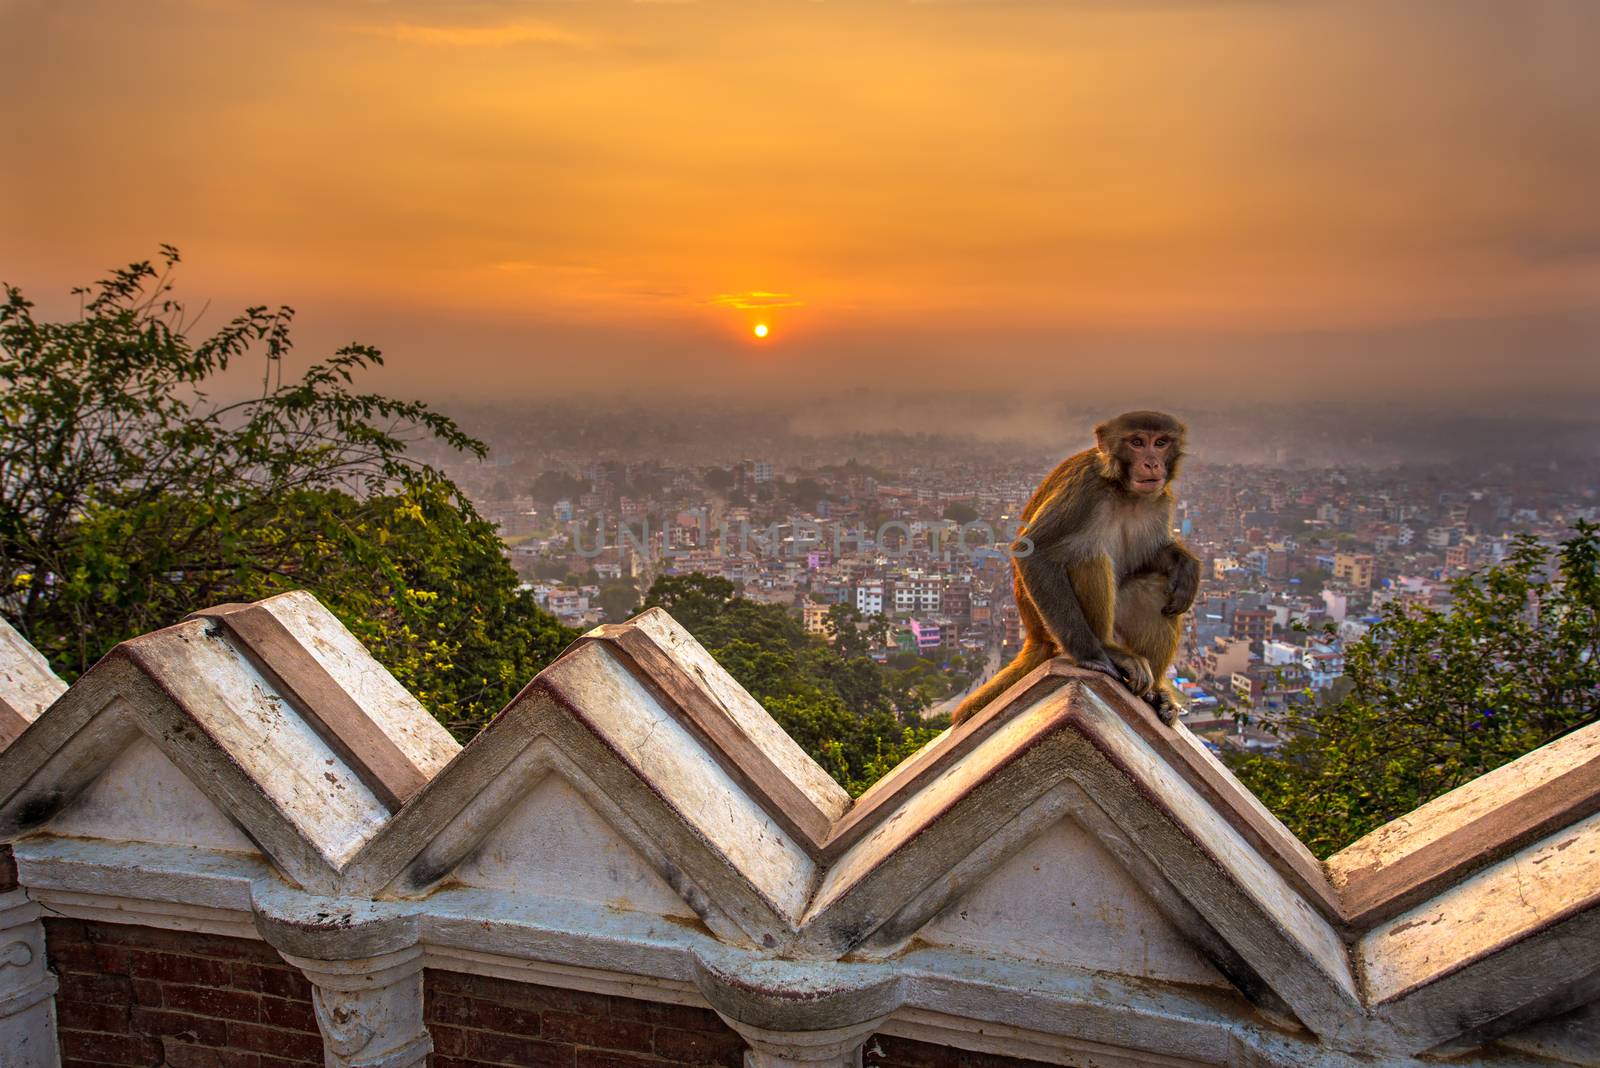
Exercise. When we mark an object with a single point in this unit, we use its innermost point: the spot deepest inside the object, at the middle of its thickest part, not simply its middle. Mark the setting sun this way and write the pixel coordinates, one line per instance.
(761, 330)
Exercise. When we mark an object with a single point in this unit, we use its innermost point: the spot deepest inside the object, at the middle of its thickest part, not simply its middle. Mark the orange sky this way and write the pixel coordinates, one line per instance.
(513, 197)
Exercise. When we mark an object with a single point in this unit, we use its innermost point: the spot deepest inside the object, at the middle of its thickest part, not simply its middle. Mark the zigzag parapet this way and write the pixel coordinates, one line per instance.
(1061, 878)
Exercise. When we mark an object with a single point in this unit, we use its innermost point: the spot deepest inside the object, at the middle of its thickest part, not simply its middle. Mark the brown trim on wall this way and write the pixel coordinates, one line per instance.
(336, 717)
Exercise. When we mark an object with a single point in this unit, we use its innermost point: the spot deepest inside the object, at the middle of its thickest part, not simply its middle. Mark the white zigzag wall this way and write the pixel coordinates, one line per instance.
(1061, 878)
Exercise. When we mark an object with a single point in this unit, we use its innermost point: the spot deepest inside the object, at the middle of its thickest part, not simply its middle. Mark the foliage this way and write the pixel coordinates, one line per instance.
(960, 512)
(552, 486)
(129, 498)
(855, 719)
(619, 600)
(1440, 697)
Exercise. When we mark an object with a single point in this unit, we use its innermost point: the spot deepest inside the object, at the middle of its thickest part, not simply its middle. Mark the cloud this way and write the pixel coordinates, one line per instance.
(495, 35)
(756, 300)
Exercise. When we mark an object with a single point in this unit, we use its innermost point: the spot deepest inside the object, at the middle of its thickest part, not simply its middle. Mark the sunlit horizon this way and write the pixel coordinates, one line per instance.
(513, 199)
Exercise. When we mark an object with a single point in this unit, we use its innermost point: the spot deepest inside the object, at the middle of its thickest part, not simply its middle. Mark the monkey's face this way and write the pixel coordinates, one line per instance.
(1145, 457)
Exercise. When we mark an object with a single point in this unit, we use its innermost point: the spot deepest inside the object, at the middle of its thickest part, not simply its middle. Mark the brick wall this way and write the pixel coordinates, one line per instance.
(887, 1051)
(137, 997)
(477, 1021)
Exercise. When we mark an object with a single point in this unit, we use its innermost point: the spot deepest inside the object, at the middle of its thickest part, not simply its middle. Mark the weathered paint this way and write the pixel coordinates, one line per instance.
(1066, 900)
(1247, 869)
(689, 779)
(143, 797)
(262, 733)
(1495, 909)
(746, 711)
(390, 705)
(27, 685)
(553, 844)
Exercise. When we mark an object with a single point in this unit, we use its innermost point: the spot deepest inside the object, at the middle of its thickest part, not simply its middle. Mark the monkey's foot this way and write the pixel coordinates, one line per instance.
(1165, 706)
(1135, 670)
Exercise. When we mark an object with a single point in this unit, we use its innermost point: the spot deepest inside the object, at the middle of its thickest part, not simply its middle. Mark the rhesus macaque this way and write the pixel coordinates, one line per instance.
(1105, 581)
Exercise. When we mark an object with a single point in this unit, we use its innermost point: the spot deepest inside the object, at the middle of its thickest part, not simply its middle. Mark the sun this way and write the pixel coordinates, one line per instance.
(761, 330)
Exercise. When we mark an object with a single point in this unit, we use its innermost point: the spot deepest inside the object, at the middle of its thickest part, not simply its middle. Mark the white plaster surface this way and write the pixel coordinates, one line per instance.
(26, 681)
(1555, 877)
(1252, 872)
(926, 804)
(554, 844)
(313, 789)
(666, 755)
(1065, 899)
(390, 705)
(27, 1008)
(1466, 803)
(746, 711)
(143, 797)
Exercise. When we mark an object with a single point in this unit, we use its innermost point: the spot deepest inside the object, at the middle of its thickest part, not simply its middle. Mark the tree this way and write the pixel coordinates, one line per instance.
(960, 512)
(552, 486)
(840, 708)
(619, 600)
(1440, 697)
(129, 497)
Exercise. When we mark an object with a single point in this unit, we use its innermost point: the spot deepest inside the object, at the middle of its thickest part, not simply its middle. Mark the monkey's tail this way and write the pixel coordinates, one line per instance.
(1032, 655)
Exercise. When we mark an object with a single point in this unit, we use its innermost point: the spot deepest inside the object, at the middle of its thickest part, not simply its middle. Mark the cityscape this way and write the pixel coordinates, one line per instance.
(912, 531)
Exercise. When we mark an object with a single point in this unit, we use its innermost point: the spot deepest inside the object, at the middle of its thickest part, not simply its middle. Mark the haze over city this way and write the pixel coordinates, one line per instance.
(1161, 203)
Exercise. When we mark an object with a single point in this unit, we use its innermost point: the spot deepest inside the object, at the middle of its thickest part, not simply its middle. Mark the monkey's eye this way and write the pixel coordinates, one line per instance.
(1137, 443)
(1162, 443)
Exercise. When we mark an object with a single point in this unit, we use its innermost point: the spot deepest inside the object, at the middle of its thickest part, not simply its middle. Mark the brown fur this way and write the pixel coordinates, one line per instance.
(1097, 573)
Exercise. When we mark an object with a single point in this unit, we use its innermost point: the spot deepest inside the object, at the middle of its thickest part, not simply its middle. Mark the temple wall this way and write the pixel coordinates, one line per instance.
(237, 843)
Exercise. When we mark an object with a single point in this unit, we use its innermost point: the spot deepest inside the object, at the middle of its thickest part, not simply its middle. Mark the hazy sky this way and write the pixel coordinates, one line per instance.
(1264, 198)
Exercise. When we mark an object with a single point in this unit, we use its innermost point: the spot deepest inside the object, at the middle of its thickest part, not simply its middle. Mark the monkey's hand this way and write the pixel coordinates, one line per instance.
(1103, 665)
(1183, 583)
(1134, 669)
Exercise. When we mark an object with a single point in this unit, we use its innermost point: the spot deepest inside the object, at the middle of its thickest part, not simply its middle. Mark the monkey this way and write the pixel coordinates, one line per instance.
(1097, 573)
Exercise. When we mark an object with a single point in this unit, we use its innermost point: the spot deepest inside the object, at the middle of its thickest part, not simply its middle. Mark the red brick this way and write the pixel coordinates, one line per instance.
(64, 927)
(700, 1047)
(604, 1032)
(896, 1052)
(576, 1001)
(448, 1041)
(167, 967)
(208, 1001)
(507, 1019)
(77, 1015)
(448, 1008)
(147, 992)
(70, 955)
(102, 989)
(684, 1017)
(434, 980)
(290, 1013)
(599, 1058)
(520, 995)
(291, 1045)
(180, 1025)
(184, 943)
(452, 1062)
(135, 1051)
(280, 981)
(523, 1052)
(184, 1055)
